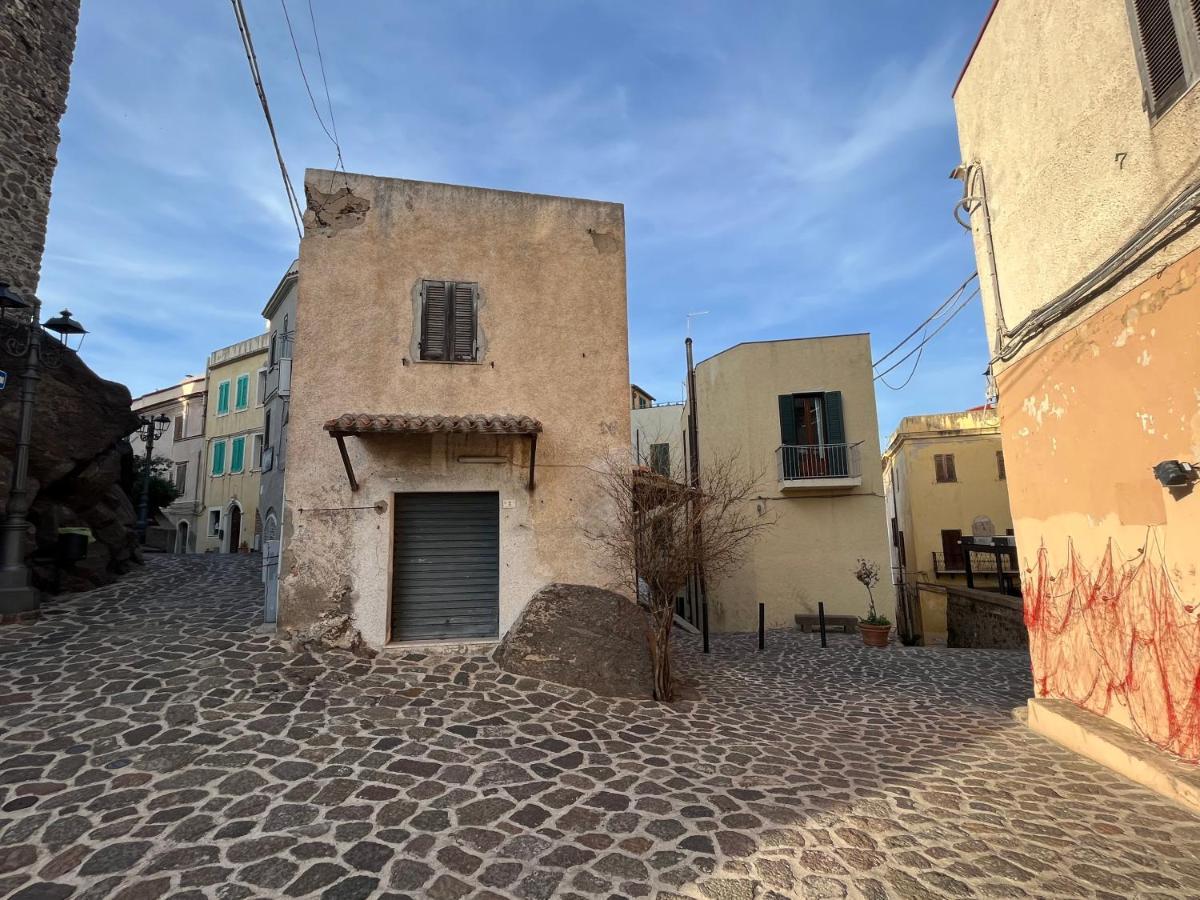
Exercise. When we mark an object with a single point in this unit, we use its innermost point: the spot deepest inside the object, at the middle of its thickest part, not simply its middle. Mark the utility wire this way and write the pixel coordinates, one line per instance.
(926, 339)
(933, 315)
(239, 13)
(325, 82)
(331, 134)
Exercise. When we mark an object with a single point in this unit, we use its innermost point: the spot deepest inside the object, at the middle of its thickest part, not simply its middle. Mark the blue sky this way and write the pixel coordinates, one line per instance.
(783, 165)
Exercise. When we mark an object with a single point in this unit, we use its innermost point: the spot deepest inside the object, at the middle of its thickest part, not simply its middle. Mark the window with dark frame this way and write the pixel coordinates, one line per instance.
(943, 466)
(178, 433)
(181, 476)
(1000, 455)
(660, 459)
(1166, 40)
(449, 326)
(952, 551)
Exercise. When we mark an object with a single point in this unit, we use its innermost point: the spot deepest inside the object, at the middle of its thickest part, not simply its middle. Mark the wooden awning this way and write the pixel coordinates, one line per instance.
(364, 424)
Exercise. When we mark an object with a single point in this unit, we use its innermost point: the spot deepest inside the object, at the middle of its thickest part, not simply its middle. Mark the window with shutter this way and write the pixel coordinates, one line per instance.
(943, 466)
(1000, 453)
(178, 434)
(242, 400)
(1166, 37)
(181, 477)
(218, 458)
(660, 459)
(223, 398)
(237, 455)
(449, 325)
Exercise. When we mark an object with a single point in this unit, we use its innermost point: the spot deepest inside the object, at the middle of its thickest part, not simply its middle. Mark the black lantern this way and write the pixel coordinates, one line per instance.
(64, 326)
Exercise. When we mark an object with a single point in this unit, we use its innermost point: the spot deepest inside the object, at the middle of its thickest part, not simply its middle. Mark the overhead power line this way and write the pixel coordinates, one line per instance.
(331, 134)
(324, 81)
(929, 337)
(933, 315)
(239, 13)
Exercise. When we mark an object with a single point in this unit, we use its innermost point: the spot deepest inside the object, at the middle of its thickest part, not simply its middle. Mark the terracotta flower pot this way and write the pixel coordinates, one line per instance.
(874, 635)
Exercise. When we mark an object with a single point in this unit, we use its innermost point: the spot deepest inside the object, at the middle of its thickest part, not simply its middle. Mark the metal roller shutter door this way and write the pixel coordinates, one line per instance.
(446, 569)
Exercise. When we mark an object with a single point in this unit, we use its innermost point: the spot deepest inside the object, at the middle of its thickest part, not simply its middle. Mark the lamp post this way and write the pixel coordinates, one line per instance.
(23, 336)
(152, 429)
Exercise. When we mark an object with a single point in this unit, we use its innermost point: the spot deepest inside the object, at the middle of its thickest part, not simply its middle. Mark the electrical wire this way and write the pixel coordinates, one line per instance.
(925, 340)
(325, 83)
(916, 362)
(933, 315)
(304, 77)
(243, 24)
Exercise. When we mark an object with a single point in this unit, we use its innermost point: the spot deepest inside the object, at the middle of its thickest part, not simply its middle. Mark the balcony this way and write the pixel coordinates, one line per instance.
(981, 564)
(279, 379)
(819, 466)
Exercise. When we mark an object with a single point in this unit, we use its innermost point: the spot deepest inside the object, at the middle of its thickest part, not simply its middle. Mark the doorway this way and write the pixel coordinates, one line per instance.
(181, 538)
(234, 531)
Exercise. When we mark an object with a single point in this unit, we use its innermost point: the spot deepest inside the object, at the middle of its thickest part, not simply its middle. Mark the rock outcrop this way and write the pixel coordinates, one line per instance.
(584, 637)
(80, 470)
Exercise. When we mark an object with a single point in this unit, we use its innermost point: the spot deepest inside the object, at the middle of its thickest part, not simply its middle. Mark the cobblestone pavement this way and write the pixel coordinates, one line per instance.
(156, 744)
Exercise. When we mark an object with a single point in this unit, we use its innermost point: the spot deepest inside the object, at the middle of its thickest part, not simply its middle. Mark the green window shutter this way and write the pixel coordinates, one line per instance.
(218, 458)
(243, 392)
(223, 398)
(835, 424)
(787, 419)
(237, 455)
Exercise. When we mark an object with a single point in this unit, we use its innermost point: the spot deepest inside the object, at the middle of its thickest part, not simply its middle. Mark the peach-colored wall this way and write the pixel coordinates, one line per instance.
(1085, 419)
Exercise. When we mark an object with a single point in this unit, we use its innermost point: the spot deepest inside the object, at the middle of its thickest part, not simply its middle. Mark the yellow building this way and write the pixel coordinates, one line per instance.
(799, 416)
(944, 477)
(233, 448)
(1078, 123)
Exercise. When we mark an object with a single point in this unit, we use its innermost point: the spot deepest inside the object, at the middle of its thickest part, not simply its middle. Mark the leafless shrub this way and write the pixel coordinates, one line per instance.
(662, 530)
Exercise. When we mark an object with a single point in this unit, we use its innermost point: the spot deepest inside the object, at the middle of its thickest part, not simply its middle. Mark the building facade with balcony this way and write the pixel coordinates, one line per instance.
(462, 374)
(233, 448)
(1078, 124)
(799, 416)
(280, 313)
(183, 444)
(945, 479)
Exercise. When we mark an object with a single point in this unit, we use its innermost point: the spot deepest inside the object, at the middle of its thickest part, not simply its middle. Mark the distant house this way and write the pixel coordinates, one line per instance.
(183, 445)
(800, 416)
(233, 434)
(945, 479)
(461, 371)
(280, 313)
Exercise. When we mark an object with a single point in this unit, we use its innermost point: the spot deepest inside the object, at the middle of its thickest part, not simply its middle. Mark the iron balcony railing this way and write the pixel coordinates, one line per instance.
(804, 462)
(981, 564)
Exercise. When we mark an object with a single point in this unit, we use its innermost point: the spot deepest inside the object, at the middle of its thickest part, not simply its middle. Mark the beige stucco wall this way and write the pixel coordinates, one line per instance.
(220, 492)
(1051, 105)
(660, 425)
(924, 507)
(809, 554)
(551, 274)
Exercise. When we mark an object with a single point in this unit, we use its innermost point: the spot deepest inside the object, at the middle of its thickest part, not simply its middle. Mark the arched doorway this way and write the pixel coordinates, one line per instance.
(233, 532)
(181, 538)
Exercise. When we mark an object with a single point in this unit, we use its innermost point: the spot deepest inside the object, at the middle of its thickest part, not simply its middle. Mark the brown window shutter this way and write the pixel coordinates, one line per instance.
(463, 323)
(1161, 57)
(434, 324)
(1000, 453)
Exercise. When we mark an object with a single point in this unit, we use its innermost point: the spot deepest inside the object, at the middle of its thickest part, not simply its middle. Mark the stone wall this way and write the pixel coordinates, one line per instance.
(37, 41)
(984, 621)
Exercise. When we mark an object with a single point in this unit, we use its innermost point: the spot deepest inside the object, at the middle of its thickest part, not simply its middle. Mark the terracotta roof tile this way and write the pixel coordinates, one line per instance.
(414, 423)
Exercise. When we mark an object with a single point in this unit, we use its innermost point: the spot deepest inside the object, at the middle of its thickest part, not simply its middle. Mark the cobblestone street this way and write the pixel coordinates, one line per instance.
(155, 743)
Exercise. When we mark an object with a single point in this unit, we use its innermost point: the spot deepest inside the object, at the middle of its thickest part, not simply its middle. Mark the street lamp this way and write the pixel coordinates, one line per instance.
(23, 336)
(151, 430)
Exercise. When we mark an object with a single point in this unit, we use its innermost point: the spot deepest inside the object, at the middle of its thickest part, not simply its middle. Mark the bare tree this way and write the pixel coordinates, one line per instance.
(663, 530)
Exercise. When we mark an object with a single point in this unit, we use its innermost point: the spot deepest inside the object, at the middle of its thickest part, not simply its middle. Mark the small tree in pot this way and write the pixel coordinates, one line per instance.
(874, 628)
(661, 529)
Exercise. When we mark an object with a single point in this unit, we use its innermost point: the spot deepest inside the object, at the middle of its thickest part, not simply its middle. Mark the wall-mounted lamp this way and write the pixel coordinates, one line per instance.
(1173, 473)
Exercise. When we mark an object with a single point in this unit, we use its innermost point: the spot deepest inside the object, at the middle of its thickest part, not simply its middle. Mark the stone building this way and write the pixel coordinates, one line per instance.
(37, 42)
(799, 415)
(183, 445)
(280, 313)
(1078, 124)
(233, 437)
(462, 368)
(77, 474)
(945, 478)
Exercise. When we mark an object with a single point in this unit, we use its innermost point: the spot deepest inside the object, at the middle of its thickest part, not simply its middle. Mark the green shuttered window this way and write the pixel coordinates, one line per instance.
(243, 392)
(237, 455)
(811, 419)
(222, 398)
(218, 458)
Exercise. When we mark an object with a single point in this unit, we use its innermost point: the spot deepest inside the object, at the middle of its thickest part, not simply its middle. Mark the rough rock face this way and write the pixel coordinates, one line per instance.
(79, 469)
(37, 41)
(584, 637)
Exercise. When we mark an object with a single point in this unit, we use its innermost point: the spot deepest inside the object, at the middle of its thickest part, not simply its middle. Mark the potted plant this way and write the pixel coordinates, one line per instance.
(874, 628)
